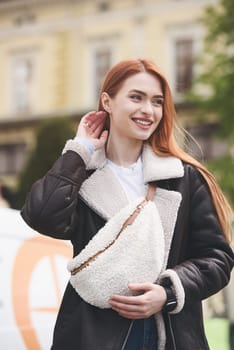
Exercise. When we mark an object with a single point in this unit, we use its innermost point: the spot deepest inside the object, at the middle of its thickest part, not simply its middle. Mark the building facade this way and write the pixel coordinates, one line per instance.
(54, 53)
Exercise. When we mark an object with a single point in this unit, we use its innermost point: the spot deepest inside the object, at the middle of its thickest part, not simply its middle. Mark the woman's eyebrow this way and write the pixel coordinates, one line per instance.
(144, 93)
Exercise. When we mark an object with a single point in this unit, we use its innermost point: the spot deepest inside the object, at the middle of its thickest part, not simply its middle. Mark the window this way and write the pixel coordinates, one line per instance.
(22, 84)
(183, 45)
(183, 64)
(102, 61)
(102, 52)
(12, 158)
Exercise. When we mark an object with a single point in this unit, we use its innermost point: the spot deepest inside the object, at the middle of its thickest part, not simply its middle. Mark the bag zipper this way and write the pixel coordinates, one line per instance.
(129, 221)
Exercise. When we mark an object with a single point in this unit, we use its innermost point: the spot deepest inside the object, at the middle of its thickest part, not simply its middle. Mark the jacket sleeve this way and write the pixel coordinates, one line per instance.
(50, 206)
(209, 259)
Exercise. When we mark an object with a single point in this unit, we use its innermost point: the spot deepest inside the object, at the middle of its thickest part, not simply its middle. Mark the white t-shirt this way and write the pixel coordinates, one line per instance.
(130, 178)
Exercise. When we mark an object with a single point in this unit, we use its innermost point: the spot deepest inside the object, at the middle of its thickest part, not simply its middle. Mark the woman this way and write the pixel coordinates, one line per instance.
(117, 151)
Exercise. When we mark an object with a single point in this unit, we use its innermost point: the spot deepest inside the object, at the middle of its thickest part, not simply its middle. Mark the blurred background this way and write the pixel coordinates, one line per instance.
(53, 57)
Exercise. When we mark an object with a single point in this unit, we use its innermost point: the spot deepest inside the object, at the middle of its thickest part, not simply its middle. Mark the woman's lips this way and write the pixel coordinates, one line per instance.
(143, 123)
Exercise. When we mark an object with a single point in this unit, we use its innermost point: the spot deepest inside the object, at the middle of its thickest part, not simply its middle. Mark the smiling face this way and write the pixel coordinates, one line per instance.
(137, 108)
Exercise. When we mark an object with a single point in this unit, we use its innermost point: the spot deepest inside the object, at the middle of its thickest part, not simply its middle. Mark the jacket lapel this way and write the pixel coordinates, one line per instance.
(160, 168)
(103, 193)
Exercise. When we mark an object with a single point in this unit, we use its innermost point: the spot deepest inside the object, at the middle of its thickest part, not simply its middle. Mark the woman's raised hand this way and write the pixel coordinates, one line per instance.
(91, 127)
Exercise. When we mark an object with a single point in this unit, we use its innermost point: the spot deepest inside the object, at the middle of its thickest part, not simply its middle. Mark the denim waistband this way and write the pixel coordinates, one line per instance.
(143, 335)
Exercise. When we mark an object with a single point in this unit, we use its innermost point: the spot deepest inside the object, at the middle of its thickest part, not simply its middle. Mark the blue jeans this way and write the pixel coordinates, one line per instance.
(143, 335)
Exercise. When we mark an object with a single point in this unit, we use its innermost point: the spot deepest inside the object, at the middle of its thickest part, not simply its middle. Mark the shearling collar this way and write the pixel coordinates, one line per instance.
(154, 167)
(102, 190)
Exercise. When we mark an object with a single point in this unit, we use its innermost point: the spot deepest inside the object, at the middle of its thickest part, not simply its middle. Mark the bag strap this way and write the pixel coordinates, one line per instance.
(149, 197)
(129, 221)
(151, 191)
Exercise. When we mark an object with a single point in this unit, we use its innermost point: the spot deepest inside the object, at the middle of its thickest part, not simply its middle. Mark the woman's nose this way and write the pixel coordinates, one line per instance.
(147, 108)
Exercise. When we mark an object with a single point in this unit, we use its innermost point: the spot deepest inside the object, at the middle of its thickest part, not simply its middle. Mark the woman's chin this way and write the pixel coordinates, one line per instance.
(143, 136)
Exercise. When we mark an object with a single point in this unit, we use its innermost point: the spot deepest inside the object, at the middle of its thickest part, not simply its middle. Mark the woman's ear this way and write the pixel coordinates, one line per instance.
(106, 102)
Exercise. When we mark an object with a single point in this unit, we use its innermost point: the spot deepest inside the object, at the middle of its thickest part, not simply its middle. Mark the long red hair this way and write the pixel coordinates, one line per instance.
(163, 140)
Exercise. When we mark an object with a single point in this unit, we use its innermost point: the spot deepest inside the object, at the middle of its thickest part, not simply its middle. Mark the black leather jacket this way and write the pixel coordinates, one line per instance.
(199, 254)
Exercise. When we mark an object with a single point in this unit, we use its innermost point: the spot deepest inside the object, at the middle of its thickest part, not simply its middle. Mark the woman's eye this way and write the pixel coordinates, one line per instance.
(158, 102)
(136, 97)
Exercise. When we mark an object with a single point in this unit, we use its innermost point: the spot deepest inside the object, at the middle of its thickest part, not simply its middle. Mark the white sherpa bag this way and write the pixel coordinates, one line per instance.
(129, 248)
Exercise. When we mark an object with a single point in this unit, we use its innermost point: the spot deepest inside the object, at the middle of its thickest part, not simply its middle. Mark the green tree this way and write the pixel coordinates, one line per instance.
(50, 139)
(218, 78)
(219, 64)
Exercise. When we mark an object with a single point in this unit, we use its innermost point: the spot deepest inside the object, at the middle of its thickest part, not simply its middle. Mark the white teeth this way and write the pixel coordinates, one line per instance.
(143, 122)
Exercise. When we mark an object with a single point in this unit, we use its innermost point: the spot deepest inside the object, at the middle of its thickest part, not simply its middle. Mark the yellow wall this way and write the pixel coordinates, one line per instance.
(61, 40)
(62, 35)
